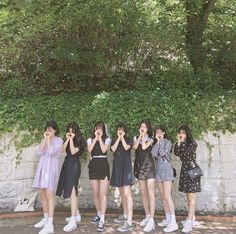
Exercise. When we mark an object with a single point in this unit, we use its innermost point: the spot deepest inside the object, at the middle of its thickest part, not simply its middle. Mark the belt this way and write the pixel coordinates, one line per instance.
(100, 156)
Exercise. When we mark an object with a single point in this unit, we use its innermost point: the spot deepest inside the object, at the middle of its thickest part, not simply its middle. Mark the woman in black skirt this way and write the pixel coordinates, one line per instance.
(185, 148)
(74, 145)
(144, 170)
(99, 172)
(122, 176)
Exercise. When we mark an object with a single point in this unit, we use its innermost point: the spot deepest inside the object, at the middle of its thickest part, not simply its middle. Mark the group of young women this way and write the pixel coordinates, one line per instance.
(152, 166)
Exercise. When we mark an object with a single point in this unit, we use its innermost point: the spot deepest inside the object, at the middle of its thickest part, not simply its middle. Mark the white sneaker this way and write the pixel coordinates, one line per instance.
(187, 227)
(171, 227)
(48, 228)
(195, 223)
(149, 226)
(77, 218)
(163, 223)
(41, 223)
(70, 226)
(144, 222)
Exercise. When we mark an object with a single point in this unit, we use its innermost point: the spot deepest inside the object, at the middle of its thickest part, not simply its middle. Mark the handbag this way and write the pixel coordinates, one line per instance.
(26, 202)
(195, 172)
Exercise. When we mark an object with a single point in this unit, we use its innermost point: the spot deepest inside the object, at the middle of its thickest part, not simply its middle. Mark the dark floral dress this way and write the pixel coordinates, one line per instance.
(187, 154)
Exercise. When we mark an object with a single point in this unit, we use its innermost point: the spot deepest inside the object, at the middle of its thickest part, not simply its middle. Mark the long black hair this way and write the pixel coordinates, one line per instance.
(189, 136)
(147, 122)
(78, 139)
(163, 129)
(52, 124)
(102, 125)
(123, 126)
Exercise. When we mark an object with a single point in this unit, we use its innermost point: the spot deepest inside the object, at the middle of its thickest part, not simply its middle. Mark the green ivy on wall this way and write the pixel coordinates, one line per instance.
(203, 111)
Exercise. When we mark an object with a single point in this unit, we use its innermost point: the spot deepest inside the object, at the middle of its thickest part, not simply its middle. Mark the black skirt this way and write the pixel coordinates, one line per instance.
(69, 176)
(99, 169)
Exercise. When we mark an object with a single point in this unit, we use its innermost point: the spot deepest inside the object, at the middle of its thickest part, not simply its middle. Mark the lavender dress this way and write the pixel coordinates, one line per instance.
(48, 170)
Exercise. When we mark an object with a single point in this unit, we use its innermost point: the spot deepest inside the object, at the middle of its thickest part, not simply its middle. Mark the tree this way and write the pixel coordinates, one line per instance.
(197, 16)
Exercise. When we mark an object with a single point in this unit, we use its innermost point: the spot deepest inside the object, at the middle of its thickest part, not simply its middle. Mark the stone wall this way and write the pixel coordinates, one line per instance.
(218, 184)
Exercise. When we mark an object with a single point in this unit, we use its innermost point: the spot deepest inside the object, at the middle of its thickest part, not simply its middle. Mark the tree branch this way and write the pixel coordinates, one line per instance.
(208, 6)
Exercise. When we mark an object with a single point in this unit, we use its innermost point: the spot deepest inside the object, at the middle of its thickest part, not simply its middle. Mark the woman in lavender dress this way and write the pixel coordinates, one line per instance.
(47, 173)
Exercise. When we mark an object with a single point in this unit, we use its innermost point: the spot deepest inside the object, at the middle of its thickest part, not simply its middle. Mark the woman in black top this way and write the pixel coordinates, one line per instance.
(74, 145)
(144, 170)
(122, 176)
(185, 148)
(99, 172)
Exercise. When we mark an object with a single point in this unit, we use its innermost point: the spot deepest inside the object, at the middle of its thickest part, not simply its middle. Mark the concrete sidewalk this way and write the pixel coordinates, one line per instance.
(21, 223)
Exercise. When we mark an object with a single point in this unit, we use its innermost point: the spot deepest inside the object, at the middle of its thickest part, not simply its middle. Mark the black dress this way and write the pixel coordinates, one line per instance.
(187, 154)
(144, 165)
(122, 166)
(98, 166)
(70, 173)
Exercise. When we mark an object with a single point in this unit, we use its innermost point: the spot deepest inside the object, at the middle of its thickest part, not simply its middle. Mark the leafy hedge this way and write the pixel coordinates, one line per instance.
(202, 111)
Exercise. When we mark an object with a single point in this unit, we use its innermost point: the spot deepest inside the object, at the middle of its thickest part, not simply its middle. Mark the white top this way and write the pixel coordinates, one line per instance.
(107, 141)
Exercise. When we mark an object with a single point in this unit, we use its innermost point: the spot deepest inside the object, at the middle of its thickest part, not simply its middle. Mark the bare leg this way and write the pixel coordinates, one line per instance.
(50, 201)
(96, 199)
(144, 194)
(43, 199)
(151, 196)
(74, 202)
(129, 202)
(123, 200)
(191, 205)
(104, 185)
(165, 205)
(168, 197)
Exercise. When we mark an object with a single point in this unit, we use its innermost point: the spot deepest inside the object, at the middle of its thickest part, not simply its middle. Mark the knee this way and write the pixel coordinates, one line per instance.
(162, 196)
(103, 196)
(192, 201)
(95, 195)
(151, 196)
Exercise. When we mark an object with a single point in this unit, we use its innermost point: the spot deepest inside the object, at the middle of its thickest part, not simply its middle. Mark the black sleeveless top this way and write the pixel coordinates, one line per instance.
(97, 151)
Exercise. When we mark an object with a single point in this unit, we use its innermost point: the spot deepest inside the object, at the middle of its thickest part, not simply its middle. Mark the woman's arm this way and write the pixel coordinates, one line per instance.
(165, 148)
(65, 144)
(177, 150)
(124, 143)
(91, 143)
(56, 148)
(73, 149)
(115, 145)
(146, 144)
(155, 149)
(136, 142)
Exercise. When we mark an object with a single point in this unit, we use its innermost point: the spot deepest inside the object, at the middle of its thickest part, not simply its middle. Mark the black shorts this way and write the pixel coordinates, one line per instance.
(99, 169)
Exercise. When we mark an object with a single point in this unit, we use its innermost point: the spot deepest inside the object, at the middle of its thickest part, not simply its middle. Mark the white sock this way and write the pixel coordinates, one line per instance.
(50, 220)
(77, 213)
(173, 219)
(151, 219)
(126, 216)
(168, 217)
(148, 216)
(129, 221)
(72, 219)
(102, 218)
(99, 214)
(45, 215)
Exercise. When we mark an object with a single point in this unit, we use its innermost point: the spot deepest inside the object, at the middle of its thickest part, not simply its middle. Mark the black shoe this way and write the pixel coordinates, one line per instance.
(100, 227)
(95, 220)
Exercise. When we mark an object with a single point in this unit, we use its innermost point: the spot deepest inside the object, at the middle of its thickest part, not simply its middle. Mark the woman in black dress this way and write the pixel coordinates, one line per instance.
(144, 171)
(99, 172)
(185, 148)
(74, 145)
(122, 176)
